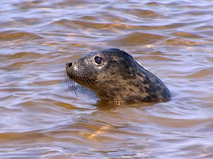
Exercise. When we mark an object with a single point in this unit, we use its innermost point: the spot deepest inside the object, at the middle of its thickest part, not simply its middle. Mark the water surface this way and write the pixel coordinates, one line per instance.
(40, 115)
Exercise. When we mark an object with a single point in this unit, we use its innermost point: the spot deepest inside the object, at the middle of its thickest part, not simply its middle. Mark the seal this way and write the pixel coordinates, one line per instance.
(114, 75)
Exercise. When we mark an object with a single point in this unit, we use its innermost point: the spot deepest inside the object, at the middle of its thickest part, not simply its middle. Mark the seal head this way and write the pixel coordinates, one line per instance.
(115, 76)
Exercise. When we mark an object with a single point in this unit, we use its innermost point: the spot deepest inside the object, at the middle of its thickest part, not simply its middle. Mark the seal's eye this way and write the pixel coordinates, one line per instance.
(98, 59)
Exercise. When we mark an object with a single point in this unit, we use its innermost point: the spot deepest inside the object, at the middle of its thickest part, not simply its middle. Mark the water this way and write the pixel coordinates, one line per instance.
(40, 115)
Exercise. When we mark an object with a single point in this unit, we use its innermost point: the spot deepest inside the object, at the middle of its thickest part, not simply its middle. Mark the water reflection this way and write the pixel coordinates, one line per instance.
(41, 117)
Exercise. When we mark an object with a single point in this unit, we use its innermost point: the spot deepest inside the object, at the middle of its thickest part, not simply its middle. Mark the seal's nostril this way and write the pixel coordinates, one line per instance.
(69, 64)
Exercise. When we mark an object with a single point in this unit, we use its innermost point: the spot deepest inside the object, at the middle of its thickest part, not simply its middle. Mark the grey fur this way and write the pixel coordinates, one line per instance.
(117, 78)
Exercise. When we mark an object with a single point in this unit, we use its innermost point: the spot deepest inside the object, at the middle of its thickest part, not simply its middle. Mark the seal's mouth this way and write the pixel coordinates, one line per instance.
(80, 78)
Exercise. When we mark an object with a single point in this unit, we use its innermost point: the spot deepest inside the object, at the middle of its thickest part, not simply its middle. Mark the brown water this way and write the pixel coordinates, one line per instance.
(41, 117)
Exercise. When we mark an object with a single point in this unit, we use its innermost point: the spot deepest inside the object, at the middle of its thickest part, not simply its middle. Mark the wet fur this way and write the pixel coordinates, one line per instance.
(118, 78)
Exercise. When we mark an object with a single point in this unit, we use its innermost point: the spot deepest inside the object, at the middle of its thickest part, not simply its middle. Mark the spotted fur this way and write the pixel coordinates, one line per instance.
(117, 77)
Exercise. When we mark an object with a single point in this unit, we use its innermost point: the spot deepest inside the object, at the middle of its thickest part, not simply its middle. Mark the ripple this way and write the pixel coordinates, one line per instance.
(142, 13)
(201, 73)
(179, 41)
(41, 117)
(186, 35)
(15, 34)
(137, 38)
(27, 55)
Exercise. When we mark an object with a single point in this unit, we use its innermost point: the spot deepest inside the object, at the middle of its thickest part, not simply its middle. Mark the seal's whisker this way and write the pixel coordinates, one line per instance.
(73, 87)
(67, 80)
(93, 47)
(86, 79)
(70, 83)
(102, 48)
(91, 82)
(87, 82)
